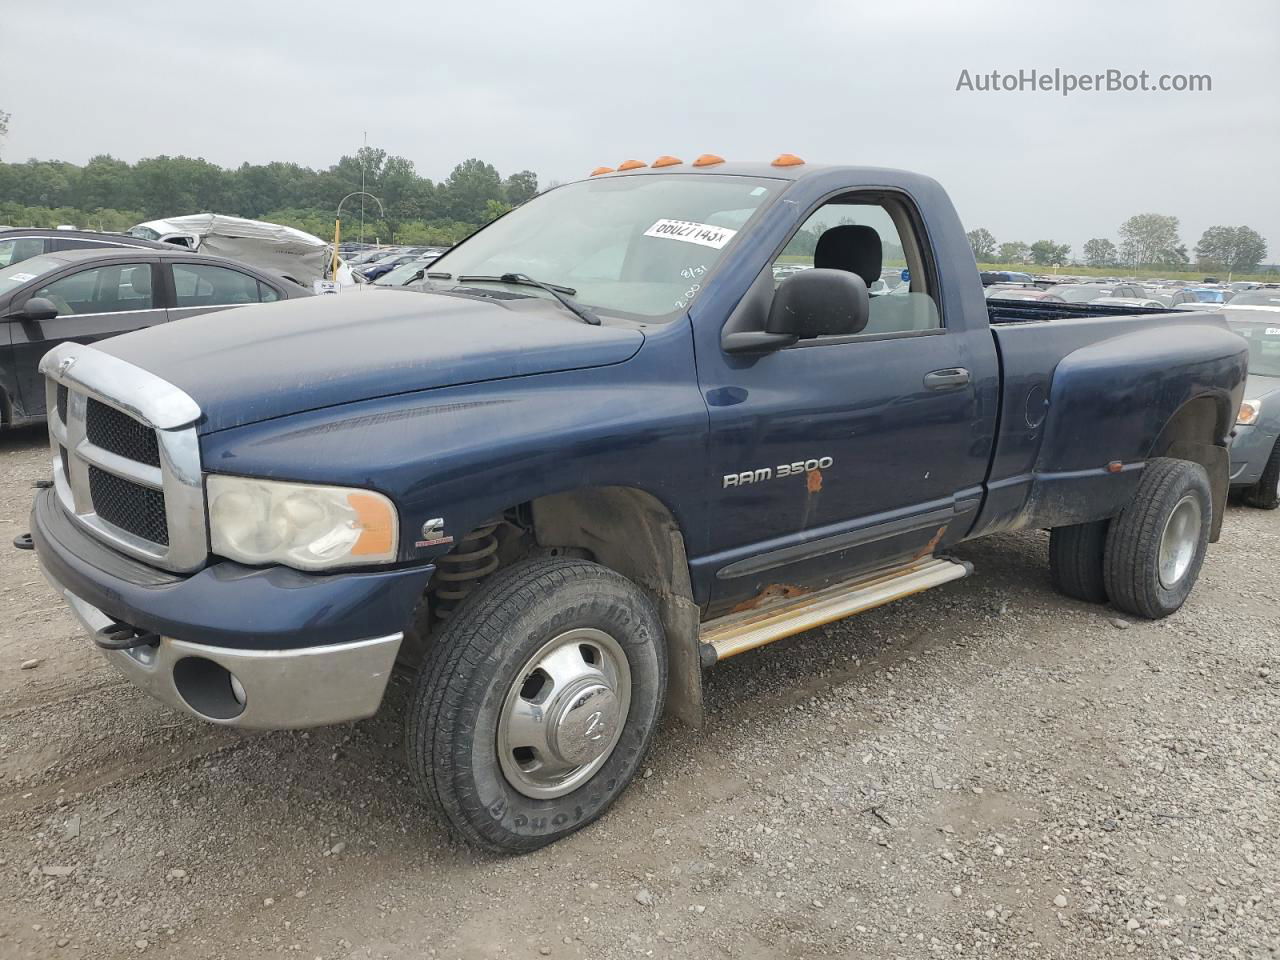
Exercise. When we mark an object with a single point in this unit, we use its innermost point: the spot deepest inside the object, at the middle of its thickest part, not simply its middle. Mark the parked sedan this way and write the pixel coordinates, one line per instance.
(1089, 292)
(376, 269)
(87, 295)
(1255, 447)
(410, 272)
(23, 244)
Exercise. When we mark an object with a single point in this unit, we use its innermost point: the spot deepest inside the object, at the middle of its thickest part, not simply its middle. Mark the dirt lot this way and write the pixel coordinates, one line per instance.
(983, 770)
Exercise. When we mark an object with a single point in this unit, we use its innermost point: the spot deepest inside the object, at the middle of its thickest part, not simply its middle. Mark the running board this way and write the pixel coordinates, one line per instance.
(736, 633)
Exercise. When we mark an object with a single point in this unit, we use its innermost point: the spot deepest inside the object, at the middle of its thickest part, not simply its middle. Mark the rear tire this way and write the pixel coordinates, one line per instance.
(537, 702)
(1157, 544)
(1265, 494)
(1076, 560)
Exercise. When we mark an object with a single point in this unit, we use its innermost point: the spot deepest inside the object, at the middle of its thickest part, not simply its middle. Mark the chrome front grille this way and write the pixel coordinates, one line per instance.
(108, 428)
(126, 461)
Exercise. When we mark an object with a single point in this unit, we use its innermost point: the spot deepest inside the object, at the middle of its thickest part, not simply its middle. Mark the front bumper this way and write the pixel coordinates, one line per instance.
(1250, 449)
(303, 649)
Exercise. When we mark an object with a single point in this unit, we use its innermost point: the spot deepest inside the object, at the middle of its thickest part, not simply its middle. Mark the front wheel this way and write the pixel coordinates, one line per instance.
(537, 702)
(1155, 547)
(1265, 494)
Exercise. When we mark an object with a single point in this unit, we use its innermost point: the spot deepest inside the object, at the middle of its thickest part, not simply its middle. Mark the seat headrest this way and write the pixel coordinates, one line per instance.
(140, 281)
(851, 246)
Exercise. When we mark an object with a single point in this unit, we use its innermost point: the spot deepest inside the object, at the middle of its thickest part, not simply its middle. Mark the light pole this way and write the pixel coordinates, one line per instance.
(337, 222)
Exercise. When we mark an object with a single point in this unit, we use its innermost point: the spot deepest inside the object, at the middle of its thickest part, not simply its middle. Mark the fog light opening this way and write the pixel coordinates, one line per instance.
(209, 688)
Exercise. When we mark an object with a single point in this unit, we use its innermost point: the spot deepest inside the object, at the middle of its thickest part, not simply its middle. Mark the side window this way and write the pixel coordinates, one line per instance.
(16, 249)
(267, 294)
(108, 289)
(878, 242)
(204, 285)
(66, 243)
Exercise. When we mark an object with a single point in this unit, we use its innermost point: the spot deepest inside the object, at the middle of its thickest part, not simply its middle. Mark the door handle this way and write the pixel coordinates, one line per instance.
(946, 379)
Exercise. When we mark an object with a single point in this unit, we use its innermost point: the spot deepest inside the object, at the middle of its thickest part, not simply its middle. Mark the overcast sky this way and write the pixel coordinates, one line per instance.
(561, 87)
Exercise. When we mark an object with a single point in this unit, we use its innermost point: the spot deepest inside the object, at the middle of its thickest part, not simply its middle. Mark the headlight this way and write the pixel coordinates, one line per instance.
(299, 524)
(1249, 412)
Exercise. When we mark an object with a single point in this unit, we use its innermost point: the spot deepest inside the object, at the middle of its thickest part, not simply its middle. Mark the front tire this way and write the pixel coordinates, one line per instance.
(1157, 544)
(1265, 494)
(537, 702)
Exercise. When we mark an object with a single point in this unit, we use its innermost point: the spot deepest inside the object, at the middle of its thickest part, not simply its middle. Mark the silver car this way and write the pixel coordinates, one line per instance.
(1255, 448)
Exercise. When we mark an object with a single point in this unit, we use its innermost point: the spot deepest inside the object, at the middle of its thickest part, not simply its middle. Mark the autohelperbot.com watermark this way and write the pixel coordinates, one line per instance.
(1065, 83)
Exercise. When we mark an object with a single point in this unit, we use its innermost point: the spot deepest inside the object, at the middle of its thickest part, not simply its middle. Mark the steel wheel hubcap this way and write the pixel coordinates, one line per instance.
(1179, 541)
(564, 713)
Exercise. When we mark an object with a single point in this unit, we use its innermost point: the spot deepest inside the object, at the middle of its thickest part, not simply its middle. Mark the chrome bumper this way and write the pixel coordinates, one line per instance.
(277, 689)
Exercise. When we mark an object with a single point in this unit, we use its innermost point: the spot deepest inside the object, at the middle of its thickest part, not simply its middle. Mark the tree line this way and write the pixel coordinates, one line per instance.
(110, 194)
(1147, 241)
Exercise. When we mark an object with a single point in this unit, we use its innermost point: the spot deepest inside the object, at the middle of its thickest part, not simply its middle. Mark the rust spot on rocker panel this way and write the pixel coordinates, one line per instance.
(932, 545)
(770, 594)
(814, 480)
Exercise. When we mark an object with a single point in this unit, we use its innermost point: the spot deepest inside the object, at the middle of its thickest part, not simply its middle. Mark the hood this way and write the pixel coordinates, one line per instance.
(1259, 387)
(270, 360)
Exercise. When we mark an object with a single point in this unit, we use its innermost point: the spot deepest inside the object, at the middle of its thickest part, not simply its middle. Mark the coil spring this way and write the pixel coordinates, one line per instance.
(460, 571)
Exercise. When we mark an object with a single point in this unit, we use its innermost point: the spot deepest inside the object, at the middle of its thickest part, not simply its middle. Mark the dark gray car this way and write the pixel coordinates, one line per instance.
(87, 295)
(1255, 448)
(23, 243)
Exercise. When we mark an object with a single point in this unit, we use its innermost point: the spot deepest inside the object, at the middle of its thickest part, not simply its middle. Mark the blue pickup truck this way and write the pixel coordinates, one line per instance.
(605, 449)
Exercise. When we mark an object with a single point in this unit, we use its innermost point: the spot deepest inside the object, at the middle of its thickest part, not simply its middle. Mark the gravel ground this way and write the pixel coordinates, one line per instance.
(984, 770)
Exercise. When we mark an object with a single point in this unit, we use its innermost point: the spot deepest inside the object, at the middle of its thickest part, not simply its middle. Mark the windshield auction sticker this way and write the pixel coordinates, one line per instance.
(688, 231)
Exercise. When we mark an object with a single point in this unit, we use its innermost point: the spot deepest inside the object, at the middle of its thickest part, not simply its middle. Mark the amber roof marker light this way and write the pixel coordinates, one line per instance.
(632, 165)
(667, 161)
(708, 160)
(787, 160)
(600, 170)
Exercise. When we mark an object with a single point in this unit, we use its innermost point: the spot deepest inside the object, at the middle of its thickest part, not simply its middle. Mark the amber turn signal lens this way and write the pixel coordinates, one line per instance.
(376, 522)
(599, 170)
(631, 165)
(1249, 412)
(708, 160)
(666, 161)
(787, 160)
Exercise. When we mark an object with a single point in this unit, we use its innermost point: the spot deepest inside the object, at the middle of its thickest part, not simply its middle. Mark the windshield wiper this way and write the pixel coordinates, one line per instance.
(562, 294)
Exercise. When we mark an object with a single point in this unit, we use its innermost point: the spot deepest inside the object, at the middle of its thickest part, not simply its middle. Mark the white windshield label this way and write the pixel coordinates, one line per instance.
(690, 232)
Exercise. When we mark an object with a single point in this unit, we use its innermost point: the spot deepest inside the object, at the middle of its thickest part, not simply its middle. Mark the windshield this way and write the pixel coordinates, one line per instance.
(1263, 337)
(12, 277)
(1083, 293)
(143, 233)
(634, 245)
(403, 273)
(1257, 298)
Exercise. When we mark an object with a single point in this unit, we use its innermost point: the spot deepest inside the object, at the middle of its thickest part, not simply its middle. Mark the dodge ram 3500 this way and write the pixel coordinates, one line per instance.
(602, 451)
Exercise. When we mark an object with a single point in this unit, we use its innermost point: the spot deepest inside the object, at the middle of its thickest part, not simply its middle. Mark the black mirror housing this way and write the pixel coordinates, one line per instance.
(38, 308)
(819, 303)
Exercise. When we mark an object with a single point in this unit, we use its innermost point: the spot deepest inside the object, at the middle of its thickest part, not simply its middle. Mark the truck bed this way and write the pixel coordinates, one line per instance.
(1024, 311)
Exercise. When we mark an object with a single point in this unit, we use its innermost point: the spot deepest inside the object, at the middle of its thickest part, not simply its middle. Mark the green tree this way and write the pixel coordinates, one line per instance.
(1100, 252)
(470, 187)
(982, 243)
(4, 124)
(1150, 239)
(1047, 253)
(1014, 251)
(520, 187)
(1235, 249)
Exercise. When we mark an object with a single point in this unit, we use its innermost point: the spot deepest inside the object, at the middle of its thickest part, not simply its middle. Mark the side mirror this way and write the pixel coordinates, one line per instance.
(819, 303)
(38, 308)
